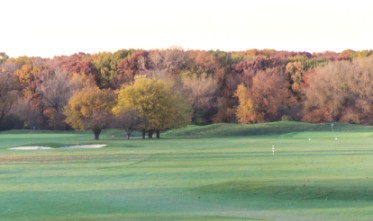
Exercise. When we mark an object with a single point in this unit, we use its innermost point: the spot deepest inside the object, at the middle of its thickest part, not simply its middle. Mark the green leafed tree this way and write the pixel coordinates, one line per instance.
(90, 109)
(156, 102)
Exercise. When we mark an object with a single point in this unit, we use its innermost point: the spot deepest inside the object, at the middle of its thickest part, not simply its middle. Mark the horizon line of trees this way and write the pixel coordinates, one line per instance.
(206, 87)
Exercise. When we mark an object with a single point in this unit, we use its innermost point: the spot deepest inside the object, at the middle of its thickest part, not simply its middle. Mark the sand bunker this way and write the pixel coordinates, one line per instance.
(90, 146)
(31, 148)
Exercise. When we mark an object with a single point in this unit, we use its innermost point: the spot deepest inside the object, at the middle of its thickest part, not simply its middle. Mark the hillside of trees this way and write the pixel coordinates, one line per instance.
(199, 87)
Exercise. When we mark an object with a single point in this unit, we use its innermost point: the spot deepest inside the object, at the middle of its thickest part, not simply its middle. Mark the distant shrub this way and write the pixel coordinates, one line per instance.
(286, 118)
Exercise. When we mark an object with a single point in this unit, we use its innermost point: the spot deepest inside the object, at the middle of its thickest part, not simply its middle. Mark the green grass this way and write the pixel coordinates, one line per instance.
(273, 128)
(211, 177)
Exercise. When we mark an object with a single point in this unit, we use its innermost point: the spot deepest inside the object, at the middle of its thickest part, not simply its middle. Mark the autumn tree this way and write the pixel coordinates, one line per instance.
(28, 74)
(268, 98)
(107, 68)
(346, 55)
(175, 59)
(295, 71)
(341, 91)
(90, 109)
(129, 120)
(270, 91)
(204, 79)
(54, 89)
(3, 57)
(24, 111)
(79, 63)
(9, 90)
(362, 54)
(136, 63)
(154, 100)
(363, 89)
(201, 91)
(246, 111)
(29, 71)
(278, 83)
(225, 110)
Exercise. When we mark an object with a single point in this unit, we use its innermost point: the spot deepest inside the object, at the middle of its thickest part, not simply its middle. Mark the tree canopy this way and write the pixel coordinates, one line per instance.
(341, 91)
(90, 109)
(156, 102)
(279, 85)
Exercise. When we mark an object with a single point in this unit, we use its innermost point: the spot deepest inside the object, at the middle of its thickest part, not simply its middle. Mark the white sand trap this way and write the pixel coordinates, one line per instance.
(90, 146)
(31, 148)
(93, 146)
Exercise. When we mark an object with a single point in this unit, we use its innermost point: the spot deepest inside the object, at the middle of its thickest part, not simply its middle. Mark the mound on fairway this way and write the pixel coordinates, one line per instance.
(270, 128)
(90, 146)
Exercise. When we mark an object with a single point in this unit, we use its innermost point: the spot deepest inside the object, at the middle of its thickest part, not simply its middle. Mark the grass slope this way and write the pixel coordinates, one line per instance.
(273, 128)
(210, 178)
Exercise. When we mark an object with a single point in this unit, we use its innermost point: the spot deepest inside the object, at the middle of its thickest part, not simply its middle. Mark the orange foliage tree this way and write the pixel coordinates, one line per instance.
(341, 91)
(268, 98)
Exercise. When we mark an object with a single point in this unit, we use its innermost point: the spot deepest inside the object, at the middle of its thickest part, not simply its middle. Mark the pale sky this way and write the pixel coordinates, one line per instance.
(62, 27)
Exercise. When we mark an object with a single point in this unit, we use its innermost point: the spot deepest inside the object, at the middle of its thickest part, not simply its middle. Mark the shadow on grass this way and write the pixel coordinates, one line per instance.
(284, 192)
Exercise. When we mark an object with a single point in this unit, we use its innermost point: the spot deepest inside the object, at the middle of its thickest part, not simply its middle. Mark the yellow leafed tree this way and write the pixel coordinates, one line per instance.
(155, 101)
(90, 109)
(245, 110)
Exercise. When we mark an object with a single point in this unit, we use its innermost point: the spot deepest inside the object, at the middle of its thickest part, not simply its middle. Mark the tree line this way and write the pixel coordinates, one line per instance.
(185, 86)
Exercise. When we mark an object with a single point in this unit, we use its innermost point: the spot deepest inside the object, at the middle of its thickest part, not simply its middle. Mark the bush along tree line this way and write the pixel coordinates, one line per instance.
(154, 90)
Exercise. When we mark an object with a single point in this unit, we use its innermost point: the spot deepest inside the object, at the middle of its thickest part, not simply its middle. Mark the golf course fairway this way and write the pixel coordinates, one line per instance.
(311, 175)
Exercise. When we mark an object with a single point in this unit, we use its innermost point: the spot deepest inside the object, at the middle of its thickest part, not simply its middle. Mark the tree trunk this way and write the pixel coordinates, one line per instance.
(158, 134)
(97, 132)
(150, 134)
(128, 135)
(143, 133)
(1, 118)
